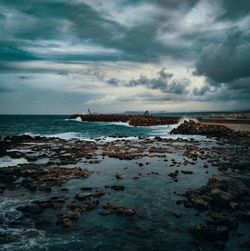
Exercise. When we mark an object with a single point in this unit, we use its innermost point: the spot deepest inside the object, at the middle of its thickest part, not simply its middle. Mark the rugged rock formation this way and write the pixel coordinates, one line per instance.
(118, 209)
(37, 178)
(224, 193)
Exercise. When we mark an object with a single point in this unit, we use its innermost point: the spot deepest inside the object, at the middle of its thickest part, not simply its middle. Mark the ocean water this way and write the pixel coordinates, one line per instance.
(154, 196)
(63, 127)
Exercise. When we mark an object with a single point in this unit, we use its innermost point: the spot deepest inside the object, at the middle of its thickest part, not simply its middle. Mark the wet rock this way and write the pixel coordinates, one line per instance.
(83, 196)
(94, 161)
(210, 232)
(234, 185)
(155, 173)
(177, 215)
(174, 175)
(53, 202)
(221, 198)
(219, 245)
(118, 187)
(119, 175)
(222, 220)
(120, 209)
(185, 162)
(105, 212)
(31, 210)
(187, 172)
(126, 211)
(66, 219)
(64, 189)
(35, 177)
(98, 193)
(42, 223)
(200, 203)
(45, 189)
(90, 204)
(86, 188)
(245, 244)
(158, 138)
(244, 216)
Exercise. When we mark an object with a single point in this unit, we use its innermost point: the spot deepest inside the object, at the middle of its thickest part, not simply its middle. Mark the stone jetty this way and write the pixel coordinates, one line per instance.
(133, 120)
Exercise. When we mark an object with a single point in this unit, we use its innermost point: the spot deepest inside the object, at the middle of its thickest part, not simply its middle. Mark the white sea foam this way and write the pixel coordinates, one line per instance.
(74, 135)
(182, 120)
(78, 119)
(163, 131)
(118, 123)
(68, 136)
(65, 135)
(112, 139)
(18, 150)
(7, 161)
(33, 135)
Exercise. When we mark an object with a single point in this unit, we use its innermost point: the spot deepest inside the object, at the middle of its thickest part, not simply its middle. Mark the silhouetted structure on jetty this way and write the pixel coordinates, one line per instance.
(134, 120)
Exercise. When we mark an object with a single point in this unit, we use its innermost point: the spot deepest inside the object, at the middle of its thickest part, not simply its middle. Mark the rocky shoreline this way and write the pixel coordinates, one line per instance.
(52, 163)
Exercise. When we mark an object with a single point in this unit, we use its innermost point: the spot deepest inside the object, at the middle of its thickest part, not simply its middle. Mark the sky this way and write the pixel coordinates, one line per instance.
(65, 56)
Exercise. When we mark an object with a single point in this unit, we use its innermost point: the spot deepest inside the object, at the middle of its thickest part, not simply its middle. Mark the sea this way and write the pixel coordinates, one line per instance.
(155, 227)
(62, 127)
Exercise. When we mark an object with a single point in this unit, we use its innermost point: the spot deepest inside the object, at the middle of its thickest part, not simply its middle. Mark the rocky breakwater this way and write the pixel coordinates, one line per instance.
(133, 120)
(196, 128)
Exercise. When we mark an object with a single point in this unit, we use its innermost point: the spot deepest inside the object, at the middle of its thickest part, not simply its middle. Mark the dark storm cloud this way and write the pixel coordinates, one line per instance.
(77, 22)
(235, 9)
(27, 23)
(227, 61)
(48, 37)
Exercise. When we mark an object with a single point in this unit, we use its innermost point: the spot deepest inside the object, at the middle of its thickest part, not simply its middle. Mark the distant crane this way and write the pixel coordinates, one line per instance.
(89, 112)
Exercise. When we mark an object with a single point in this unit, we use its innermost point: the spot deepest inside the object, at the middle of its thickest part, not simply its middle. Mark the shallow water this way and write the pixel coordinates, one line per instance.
(153, 196)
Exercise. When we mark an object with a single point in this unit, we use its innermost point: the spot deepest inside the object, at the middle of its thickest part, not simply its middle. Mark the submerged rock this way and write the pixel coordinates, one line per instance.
(31, 210)
(187, 172)
(83, 196)
(118, 187)
(119, 175)
(120, 209)
(210, 232)
(174, 175)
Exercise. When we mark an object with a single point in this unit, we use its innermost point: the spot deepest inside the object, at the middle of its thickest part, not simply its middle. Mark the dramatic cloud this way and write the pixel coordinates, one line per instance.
(227, 61)
(163, 82)
(113, 55)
